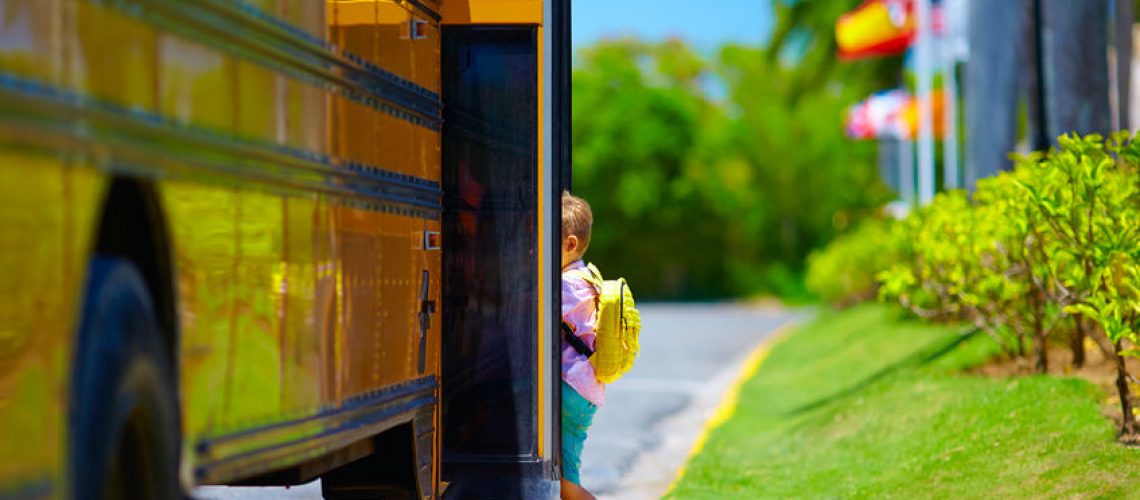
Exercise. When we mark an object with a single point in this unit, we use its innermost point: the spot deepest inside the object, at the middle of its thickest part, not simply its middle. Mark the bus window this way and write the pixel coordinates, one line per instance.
(490, 261)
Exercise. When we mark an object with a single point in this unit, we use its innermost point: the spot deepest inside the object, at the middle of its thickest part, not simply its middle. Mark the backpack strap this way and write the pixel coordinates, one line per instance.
(575, 341)
(590, 275)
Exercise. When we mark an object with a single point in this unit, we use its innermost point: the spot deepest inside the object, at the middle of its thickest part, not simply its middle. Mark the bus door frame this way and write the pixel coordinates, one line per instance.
(553, 79)
(558, 176)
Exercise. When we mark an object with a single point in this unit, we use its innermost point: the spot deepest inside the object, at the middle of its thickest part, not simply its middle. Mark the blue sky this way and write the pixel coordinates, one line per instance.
(706, 24)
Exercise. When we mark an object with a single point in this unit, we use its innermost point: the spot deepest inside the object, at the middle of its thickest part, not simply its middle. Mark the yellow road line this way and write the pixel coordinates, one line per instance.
(728, 403)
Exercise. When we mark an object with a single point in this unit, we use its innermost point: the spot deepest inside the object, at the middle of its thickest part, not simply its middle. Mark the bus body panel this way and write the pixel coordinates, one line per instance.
(295, 149)
(38, 250)
(279, 318)
(492, 12)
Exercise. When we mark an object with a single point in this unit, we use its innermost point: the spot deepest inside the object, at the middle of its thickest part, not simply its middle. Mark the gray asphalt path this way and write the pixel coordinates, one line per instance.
(689, 355)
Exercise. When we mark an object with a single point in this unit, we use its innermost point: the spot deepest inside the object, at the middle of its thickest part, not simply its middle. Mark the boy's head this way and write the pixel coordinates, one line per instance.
(577, 219)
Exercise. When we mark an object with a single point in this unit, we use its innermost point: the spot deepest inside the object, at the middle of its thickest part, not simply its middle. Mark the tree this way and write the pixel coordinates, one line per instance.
(1086, 192)
(634, 126)
(715, 176)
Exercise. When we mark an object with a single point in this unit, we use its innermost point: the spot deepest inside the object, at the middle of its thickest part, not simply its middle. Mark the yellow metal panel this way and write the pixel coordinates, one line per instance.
(36, 313)
(363, 134)
(259, 102)
(355, 125)
(426, 55)
(270, 6)
(309, 15)
(396, 138)
(393, 37)
(376, 30)
(306, 116)
(256, 392)
(31, 39)
(196, 83)
(426, 154)
(491, 11)
(203, 223)
(381, 286)
(343, 13)
(106, 36)
(257, 282)
(305, 287)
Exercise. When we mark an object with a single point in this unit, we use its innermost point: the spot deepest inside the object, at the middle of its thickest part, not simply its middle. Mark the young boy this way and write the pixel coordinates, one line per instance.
(582, 393)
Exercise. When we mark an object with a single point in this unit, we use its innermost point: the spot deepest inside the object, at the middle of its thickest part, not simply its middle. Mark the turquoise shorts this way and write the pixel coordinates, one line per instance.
(577, 415)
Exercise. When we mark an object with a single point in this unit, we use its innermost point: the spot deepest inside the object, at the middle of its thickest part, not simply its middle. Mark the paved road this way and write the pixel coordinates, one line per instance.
(690, 353)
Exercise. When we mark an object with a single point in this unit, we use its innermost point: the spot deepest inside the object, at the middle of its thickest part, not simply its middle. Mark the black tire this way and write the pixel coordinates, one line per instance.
(125, 434)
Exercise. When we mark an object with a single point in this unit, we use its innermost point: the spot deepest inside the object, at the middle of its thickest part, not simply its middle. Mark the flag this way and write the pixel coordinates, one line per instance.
(878, 116)
(937, 108)
(876, 28)
(892, 114)
(883, 28)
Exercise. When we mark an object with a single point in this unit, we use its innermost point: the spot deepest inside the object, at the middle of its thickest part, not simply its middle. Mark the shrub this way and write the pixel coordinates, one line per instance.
(844, 272)
(1085, 198)
(1052, 246)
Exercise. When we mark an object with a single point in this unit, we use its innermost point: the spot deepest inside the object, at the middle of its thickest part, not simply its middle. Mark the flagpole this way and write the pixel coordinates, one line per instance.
(923, 67)
(906, 170)
(950, 98)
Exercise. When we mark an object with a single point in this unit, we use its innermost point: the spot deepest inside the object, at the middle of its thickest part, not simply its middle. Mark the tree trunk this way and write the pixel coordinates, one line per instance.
(1077, 342)
(1042, 352)
(1128, 423)
(1094, 332)
(1040, 345)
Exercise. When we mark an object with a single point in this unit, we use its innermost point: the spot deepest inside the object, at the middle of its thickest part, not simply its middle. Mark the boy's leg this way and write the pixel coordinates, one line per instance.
(577, 415)
(571, 491)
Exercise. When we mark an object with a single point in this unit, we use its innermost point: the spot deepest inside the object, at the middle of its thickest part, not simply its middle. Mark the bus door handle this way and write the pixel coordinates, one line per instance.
(427, 308)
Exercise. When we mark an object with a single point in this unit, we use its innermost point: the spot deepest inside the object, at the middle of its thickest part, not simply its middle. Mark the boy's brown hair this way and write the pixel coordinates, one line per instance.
(577, 219)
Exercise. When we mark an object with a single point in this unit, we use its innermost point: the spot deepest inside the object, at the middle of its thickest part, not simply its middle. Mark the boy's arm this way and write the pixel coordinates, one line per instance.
(578, 305)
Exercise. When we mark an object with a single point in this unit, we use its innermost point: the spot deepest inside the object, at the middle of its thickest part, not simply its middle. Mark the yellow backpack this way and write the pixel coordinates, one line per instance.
(619, 324)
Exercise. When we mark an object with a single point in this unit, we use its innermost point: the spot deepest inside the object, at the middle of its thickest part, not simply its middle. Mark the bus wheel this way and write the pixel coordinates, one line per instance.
(125, 438)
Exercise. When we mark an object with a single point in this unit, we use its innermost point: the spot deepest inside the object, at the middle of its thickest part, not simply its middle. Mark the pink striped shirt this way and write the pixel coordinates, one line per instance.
(579, 310)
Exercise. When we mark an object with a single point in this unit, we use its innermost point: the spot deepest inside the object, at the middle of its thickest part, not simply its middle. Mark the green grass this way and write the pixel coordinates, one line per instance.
(861, 404)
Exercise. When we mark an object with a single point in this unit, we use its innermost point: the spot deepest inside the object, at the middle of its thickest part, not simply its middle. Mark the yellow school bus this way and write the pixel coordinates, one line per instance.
(264, 241)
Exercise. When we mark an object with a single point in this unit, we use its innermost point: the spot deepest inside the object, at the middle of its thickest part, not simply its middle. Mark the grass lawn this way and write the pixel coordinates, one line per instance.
(861, 404)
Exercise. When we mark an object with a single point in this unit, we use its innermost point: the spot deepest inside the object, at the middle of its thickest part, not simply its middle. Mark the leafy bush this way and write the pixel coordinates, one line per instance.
(1086, 200)
(1046, 252)
(844, 272)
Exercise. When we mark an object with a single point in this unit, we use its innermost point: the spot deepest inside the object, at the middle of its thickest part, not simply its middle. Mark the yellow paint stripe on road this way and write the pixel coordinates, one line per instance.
(727, 407)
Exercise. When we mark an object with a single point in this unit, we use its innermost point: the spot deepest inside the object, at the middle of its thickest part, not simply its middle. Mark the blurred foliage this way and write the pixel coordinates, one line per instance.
(714, 176)
(846, 271)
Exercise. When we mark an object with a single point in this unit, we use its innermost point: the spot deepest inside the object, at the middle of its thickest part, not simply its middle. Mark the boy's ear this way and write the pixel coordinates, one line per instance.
(571, 243)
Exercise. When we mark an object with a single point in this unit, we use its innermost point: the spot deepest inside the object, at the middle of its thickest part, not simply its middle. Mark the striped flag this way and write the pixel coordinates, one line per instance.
(881, 28)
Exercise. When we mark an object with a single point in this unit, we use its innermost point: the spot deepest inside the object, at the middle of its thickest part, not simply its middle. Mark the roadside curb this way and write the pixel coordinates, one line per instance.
(727, 406)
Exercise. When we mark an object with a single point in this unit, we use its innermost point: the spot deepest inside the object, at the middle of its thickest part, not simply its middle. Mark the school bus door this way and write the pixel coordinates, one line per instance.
(500, 379)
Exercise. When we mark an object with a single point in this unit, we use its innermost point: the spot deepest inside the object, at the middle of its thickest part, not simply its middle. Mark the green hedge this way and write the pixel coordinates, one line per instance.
(844, 273)
(1048, 252)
